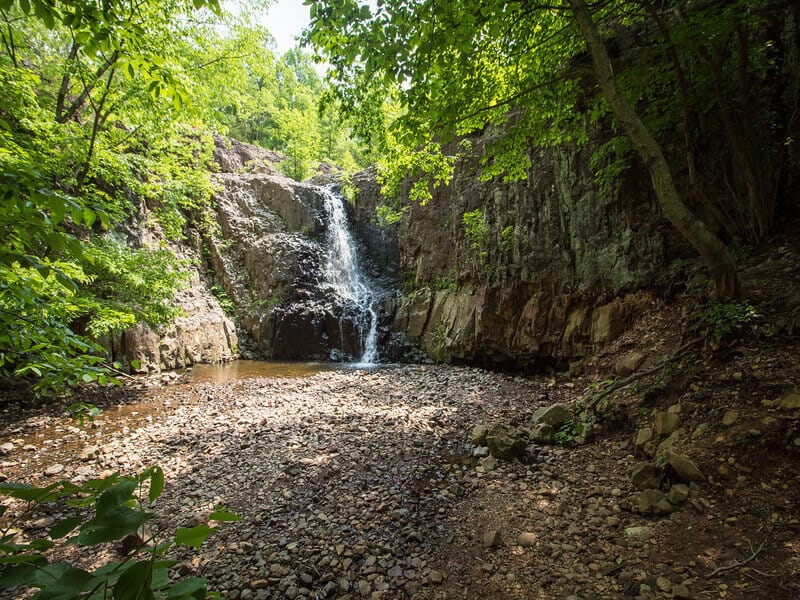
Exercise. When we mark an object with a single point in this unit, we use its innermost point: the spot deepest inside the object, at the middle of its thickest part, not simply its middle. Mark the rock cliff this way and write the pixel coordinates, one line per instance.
(546, 268)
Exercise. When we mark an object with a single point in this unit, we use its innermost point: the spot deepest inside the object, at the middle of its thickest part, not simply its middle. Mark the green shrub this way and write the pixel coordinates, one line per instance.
(100, 512)
(728, 318)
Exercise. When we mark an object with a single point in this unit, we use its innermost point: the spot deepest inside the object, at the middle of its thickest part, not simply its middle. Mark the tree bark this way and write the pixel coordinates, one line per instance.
(710, 248)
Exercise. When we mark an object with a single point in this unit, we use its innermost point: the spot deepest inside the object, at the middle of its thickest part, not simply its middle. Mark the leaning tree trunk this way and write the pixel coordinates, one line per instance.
(711, 249)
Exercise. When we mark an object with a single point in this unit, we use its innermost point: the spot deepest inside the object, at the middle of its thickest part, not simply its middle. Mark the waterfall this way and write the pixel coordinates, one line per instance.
(344, 278)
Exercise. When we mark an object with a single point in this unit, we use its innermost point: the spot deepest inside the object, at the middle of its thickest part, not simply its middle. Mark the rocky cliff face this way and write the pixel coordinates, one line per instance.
(546, 269)
(204, 334)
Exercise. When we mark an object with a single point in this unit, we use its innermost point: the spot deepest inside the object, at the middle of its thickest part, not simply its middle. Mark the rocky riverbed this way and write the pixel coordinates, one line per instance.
(364, 483)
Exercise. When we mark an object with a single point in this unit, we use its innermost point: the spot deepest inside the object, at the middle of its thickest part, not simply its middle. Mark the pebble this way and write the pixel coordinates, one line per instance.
(54, 469)
(339, 475)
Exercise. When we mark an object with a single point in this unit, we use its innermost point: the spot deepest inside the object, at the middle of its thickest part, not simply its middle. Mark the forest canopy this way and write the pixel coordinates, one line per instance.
(521, 75)
(108, 116)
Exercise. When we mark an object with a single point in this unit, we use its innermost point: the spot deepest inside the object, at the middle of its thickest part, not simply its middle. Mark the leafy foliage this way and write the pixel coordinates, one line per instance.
(101, 511)
(107, 119)
(728, 318)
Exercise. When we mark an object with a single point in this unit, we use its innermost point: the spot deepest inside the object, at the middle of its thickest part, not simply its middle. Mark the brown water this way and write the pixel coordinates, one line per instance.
(251, 369)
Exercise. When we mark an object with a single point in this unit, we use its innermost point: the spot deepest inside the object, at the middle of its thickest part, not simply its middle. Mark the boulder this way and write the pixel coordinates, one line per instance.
(629, 363)
(685, 468)
(666, 422)
(478, 436)
(678, 494)
(655, 502)
(554, 415)
(645, 475)
(643, 436)
(542, 433)
(506, 442)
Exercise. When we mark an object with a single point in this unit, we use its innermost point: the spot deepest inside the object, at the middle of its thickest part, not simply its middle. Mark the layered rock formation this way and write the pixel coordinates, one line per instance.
(551, 272)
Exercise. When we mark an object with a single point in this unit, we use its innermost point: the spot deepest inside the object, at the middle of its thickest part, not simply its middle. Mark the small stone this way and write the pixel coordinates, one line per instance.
(436, 577)
(491, 539)
(89, 453)
(54, 469)
(555, 415)
(527, 539)
(629, 363)
(542, 433)
(730, 417)
(259, 584)
(364, 588)
(678, 494)
(681, 591)
(396, 571)
(654, 501)
(685, 468)
(666, 422)
(639, 533)
(480, 452)
(478, 436)
(246, 595)
(489, 463)
(664, 584)
(6, 448)
(643, 436)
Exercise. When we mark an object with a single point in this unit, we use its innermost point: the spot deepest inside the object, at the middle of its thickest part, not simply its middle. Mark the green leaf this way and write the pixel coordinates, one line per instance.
(223, 514)
(188, 587)
(194, 536)
(28, 493)
(69, 585)
(111, 525)
(156, 483)
(15, 575)
(117, 495)
(63, 528)
(134, 583)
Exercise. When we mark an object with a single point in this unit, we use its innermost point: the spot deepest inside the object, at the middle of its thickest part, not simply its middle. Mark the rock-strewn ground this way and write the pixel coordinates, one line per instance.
(361, 484)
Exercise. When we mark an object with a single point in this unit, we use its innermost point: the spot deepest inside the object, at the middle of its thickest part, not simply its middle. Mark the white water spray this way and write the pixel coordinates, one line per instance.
(344, 277)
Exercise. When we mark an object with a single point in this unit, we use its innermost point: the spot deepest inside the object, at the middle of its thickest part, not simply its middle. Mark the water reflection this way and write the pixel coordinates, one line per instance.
(251, 369)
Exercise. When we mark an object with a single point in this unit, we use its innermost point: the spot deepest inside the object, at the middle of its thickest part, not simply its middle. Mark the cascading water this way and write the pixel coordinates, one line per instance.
(344, 278)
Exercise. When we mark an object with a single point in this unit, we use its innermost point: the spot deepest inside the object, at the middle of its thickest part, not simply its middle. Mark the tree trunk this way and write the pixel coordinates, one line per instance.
(711, 249)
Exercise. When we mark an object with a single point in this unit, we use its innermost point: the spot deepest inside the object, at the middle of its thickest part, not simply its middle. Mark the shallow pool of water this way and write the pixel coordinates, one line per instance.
(251, 369)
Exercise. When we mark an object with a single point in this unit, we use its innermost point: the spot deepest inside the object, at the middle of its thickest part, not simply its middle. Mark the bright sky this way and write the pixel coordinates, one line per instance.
(285, 21)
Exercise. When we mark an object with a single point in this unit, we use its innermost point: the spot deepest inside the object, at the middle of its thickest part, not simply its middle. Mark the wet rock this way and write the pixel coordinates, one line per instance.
(506, 442)
(554, 416)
